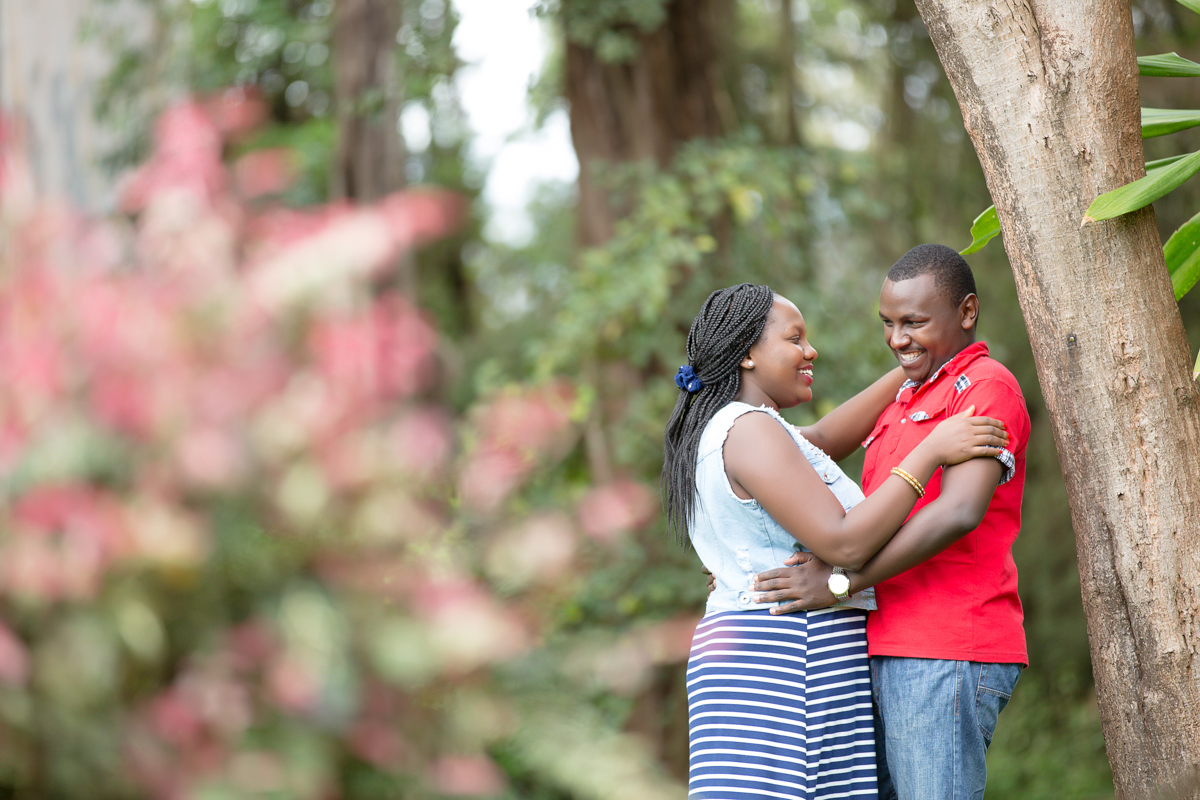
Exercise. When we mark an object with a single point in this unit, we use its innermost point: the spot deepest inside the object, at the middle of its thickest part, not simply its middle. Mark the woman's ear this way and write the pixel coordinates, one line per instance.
(747, 363)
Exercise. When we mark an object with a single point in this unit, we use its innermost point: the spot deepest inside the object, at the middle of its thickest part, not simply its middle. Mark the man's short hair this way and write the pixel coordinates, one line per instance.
(952, 275)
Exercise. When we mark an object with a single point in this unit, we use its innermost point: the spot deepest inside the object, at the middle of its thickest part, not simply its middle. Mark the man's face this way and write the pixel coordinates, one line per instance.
(922, 327)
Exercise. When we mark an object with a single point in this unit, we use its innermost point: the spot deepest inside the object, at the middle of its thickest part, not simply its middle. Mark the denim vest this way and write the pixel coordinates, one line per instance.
(737, 539)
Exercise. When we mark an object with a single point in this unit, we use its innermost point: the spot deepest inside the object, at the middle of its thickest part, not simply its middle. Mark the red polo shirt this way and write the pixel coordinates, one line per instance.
(962, 604)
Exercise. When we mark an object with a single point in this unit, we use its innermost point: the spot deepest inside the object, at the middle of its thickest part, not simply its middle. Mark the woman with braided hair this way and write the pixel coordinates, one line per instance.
(780, 705)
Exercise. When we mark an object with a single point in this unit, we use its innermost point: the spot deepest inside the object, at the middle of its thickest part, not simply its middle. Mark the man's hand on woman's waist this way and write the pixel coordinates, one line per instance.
(804, 582)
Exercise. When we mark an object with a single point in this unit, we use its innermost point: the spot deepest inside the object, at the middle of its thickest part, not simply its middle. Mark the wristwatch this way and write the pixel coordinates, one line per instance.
(839, 584)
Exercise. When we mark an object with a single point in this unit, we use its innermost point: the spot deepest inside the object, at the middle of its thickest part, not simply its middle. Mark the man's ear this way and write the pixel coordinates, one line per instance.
(968, 312)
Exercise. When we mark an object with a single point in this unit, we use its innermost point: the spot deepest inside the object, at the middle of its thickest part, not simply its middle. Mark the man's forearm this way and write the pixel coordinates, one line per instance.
(918, 541)
(967, 490)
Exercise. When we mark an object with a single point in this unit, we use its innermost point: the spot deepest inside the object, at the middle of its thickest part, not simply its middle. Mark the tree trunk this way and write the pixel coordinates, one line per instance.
(788, 126)
(643, 109)
(370, 153)
(1049, 94)
(369, 159)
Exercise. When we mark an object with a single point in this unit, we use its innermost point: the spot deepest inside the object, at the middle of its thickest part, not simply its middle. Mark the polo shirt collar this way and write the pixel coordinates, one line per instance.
(954, 366)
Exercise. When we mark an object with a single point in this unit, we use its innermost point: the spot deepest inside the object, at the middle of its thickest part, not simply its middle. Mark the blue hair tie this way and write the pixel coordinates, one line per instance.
(688, 380)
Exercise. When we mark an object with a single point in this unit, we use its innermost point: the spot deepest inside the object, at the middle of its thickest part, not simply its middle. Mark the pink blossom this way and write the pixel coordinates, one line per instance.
(122, 402)
(250, 645)
(13, 438)
(293, 686)
(210, 457)
(220, 701)
(467, 775)
(377, 742)
(324, 268)
(418, 216)
(407, 347)
(384, 354)
(14, 658)
(187, 157)
(468, 626)
(608, 511)
(518, 428)
(17, 194)
(538, 549)
(276, 229)
(420, 441)
(236, 110)
(303, 258)
(66, 536)
(670, 641)
(533, 420)
(31, 568)
(162, 532)
(491, 475)
(174, 719)
(383, 577)
(267, 171)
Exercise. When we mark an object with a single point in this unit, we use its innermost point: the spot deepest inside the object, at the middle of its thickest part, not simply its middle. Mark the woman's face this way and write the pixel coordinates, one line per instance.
(779, 366)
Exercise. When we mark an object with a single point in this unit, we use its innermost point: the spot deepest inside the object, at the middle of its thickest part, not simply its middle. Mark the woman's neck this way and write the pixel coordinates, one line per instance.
(752, 395)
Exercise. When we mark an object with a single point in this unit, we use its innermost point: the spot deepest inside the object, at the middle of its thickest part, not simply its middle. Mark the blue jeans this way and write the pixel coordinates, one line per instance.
(934, 721)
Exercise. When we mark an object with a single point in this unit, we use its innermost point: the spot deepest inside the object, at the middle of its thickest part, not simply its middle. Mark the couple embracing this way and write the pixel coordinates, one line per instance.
(852, 646)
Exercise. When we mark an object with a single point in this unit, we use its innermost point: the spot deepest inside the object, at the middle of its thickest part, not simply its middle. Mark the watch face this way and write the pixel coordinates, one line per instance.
(839, 584)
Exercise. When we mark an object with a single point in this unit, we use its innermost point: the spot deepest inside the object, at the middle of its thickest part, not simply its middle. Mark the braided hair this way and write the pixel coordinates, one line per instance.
(729, 322)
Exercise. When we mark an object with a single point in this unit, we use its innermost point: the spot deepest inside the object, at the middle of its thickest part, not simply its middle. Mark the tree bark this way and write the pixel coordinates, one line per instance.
(369, 158)
(369, 162)
(788, 125)
(1049, 94)
(642, 110)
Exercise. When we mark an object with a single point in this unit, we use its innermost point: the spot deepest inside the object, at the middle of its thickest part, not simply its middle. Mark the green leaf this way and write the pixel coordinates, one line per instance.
(1182, 254)
(1196, 371)
(1161, 121)
(1193, 5)
(1164, 162)
(985, 228)
(1167, 65)
(1143, 191)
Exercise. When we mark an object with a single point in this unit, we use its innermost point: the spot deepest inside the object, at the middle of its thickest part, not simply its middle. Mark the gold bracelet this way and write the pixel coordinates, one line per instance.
(910, 480)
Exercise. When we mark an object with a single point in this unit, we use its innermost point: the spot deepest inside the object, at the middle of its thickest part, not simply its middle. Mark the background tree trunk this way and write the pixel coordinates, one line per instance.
(1049, 94)
(370, 153)
(643, 109)
(369, 159)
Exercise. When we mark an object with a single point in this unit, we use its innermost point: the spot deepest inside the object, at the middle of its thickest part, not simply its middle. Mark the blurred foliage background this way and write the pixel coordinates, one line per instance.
(312, 490)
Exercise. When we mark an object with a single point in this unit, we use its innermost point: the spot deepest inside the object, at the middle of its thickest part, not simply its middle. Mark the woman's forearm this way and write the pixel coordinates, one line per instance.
(869, 526)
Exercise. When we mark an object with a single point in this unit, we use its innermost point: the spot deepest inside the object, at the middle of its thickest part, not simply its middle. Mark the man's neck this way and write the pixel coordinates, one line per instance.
(938, 370)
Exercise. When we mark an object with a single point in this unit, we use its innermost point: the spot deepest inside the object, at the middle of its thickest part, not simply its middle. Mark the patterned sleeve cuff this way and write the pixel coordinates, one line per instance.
(1009, 461)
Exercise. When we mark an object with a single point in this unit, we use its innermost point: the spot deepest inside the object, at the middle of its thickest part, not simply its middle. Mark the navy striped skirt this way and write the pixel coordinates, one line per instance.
(780, 706)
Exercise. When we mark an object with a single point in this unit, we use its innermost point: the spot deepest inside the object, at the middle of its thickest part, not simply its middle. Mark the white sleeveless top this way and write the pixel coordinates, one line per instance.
(736, 538)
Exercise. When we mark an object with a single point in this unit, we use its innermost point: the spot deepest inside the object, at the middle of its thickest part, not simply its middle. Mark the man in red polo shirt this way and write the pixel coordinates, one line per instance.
(947, 644)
